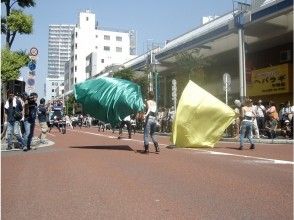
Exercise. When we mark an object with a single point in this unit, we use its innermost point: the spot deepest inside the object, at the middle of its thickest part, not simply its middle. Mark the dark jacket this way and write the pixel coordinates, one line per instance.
(42, 113)
(14, 113)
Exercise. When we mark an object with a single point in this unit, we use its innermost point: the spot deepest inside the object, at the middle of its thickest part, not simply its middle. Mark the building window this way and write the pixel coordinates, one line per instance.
(76, 57)
(71, 70)
(106, 48)
(52, 90)
(106, 37)
(76, 46)
(52, 83)
(96, 47)
(96, 36)
(118, 38)
(87, 19)
(102, 60)
(75, 79)
(76, 68)
(76, 34)
(72, 59)
(118, 49)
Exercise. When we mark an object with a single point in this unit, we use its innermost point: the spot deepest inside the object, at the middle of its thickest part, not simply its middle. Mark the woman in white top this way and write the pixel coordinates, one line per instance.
(248, 115)
(150, 123)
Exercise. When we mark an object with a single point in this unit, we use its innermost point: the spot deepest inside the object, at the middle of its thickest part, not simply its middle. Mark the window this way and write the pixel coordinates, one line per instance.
(96, 36)
(52, 83)
(96, 47)
(102, 60)
(87, 19)
(76, 57)
(76, 46)
(118, 38)
(76, 68)
(76, 34)
(118, 49)
(106, 37)
(52, 90)
(75, 79)
(106, 48)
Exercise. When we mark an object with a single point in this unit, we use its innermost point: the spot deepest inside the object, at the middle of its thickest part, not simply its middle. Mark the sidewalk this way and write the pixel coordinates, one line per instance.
(35, 143)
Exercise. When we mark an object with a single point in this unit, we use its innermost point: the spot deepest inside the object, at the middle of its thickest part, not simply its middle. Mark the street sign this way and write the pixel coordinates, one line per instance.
(32, 57)
(32, 65)
(34, 51)
(227, 78)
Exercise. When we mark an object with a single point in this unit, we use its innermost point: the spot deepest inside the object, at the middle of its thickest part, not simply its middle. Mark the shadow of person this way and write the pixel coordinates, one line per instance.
(105, 147)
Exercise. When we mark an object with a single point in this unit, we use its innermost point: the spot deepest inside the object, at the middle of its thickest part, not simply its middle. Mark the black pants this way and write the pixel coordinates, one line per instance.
(122, 124)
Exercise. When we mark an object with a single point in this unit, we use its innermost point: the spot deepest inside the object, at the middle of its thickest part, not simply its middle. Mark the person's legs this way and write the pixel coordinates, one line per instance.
(10, 127)
(249, 129)
(146, 133)
(31, 135)
(17, 133)
(128, 123)
(27, 127)
(152, 131)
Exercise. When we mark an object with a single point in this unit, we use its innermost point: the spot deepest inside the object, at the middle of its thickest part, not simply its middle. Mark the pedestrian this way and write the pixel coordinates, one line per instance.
(13, 110)
(150, 123)
(30, 119)
(42, 116)
(236, 123)
(126, 121)
(248, 115)
(260, 117)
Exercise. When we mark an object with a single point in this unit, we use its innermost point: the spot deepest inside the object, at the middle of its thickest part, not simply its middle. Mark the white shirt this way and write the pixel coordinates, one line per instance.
(259, 111)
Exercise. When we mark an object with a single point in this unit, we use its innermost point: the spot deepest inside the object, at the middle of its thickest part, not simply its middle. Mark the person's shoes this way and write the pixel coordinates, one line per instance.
(252, 146)
(146, 149)
(119, 137)
(130, 137)
(8, 148)
(25, 148)
(156, 147)
(240, 148)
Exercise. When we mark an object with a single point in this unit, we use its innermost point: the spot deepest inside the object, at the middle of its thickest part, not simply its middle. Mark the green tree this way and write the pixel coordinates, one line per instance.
(70, 102)
(16, 21)
(11, 64)
(192, 63)
(128, 74)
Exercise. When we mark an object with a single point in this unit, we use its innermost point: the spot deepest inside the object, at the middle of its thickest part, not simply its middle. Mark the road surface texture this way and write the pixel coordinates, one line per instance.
(88, 174)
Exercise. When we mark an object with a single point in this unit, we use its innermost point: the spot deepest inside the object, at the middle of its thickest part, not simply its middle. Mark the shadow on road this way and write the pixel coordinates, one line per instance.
(105, 147)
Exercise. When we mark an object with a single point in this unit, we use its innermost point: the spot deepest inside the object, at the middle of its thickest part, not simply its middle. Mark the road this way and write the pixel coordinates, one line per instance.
(88, 174)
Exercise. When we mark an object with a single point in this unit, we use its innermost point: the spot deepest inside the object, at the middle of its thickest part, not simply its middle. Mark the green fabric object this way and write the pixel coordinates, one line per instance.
(109, 99)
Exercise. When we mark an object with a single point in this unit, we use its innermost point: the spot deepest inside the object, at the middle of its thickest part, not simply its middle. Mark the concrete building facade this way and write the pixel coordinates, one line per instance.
(59, 51)
(93, 48)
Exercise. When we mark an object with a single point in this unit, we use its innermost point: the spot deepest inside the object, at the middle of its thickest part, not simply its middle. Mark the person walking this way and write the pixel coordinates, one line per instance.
(126, 121)
(42, 116)
(150, 123)
(30, 119)
(13, 111)
(248, 114)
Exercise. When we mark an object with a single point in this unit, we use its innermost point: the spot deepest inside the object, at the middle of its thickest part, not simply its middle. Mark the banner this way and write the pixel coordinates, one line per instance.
(270, 80)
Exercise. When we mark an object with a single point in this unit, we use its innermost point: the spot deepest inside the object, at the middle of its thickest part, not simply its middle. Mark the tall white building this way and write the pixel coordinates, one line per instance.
(59, 51)
(93, 48)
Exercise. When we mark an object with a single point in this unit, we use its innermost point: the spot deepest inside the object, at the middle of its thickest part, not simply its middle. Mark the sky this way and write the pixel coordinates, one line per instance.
(154, 21)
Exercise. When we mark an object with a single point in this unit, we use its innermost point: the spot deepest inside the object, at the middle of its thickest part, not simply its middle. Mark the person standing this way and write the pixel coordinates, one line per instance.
(260, 117)
(150, 123)
(13, 111)
(42, 116)
(248, 114)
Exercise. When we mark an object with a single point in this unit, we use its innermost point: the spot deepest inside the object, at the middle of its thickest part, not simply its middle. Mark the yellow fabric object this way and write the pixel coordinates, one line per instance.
(201, 118)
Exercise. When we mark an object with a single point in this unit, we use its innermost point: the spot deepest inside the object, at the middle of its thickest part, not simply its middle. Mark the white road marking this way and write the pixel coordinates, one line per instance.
(268, 160)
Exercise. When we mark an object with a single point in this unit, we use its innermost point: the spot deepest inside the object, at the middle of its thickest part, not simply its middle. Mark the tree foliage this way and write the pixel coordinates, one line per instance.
(16, 21)
(128, 74)
(11, 64)
(70, 102)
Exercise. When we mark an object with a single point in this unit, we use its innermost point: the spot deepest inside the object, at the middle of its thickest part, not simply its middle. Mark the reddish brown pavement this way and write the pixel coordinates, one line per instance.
(88, 174)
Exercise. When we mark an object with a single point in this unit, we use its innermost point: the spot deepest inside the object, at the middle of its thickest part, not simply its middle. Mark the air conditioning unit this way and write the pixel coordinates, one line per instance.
(285, 56)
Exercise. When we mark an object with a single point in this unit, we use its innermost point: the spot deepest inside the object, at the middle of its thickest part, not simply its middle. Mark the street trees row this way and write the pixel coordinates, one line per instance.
(14, 22)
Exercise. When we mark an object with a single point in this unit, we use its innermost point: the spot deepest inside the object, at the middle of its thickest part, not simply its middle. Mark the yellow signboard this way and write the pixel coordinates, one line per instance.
(270, 80)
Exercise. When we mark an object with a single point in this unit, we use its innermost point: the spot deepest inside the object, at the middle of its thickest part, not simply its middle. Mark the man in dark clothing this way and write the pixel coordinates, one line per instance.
(29, 119)
(42, 116)
(13, 110)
